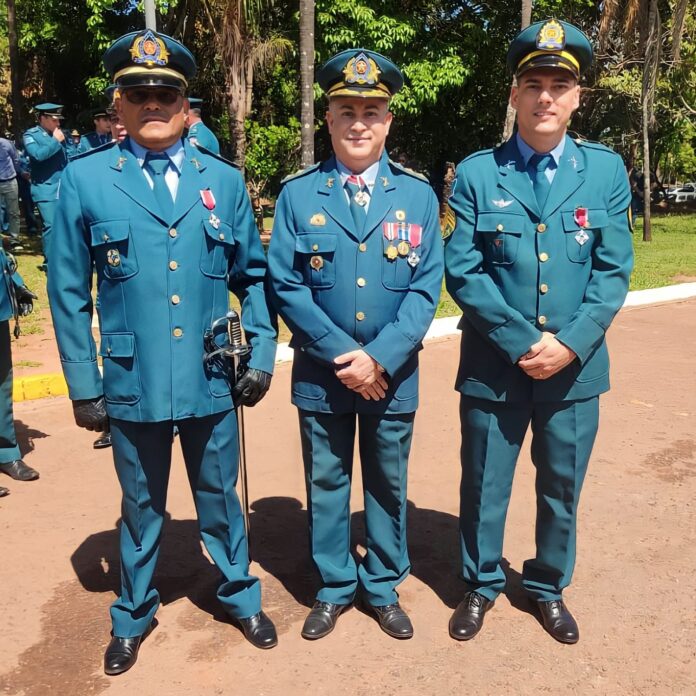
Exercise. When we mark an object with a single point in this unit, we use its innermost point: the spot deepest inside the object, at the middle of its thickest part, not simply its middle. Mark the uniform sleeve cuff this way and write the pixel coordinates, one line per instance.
(582, 336)
(263, 353)
(83, 378)
(514, 338)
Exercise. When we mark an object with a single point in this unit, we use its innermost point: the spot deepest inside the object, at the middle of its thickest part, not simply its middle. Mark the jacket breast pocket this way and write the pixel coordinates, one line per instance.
(500, 235)
(120, 363)
(580, 240)
(314, 258)
(396, 273)
(114, 248)
(217, 249)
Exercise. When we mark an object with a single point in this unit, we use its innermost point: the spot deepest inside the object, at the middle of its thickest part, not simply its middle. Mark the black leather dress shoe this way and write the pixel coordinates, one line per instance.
(559, 622)
(259, 631)
(321, 620)
(467, 619)
(4, 491)
(19, 471)
(103, 441)
(122, 653)
(393, 620)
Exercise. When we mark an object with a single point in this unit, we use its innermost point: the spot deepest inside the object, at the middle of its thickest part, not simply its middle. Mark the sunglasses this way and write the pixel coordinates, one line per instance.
(164, 96)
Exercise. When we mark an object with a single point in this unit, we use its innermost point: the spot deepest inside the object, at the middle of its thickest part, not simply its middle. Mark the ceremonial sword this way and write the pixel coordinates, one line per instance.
(234, 350)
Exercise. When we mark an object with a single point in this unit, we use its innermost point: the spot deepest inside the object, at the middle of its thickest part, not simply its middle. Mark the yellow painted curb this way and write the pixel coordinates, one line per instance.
(39, 387)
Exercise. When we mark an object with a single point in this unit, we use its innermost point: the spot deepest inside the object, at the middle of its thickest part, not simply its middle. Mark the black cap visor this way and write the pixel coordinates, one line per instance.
(151, 78)
(551, 60)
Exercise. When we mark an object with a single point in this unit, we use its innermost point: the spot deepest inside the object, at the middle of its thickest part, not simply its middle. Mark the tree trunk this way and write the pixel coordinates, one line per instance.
(307, 80)
(14, 68)
(647, 223)
(510, 115)
(650, 69)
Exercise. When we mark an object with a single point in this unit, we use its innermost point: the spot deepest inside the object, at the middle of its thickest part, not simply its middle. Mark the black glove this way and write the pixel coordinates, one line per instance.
(251, 387)
(25, 300)
(91, 414)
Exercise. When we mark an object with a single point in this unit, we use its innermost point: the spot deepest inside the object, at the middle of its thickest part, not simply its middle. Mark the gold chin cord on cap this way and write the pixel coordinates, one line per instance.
(563, 54)
(139, 70)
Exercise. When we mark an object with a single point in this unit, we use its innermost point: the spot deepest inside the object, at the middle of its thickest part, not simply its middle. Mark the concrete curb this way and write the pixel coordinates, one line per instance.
(41, 386)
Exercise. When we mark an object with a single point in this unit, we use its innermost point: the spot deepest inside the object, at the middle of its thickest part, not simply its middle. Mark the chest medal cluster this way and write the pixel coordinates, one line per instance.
(404, 239)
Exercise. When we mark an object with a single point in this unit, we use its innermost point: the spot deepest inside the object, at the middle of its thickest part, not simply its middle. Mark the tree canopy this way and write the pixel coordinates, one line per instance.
(452, 53)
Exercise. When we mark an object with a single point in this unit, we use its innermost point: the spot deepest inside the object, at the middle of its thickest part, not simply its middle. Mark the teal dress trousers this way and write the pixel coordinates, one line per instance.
(47, 159)
(337, 290)
(9, 450)
(536, 248)
(200, 134)
(163, 276)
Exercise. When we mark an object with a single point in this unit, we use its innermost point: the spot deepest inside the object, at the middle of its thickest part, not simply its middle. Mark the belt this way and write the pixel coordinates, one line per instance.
(2, 181)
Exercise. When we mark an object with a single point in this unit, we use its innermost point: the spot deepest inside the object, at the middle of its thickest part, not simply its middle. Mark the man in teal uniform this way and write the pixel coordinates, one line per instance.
(198, 132)
(169, 231)
(101, 135)
(46, 147)
(539, 262)
(356, 266)
(15, 300)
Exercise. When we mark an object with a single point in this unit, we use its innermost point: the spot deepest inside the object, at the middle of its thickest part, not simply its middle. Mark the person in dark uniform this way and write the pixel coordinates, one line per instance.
(16, 300)
(198, 132)
(169, 231)
(47, 149)
(356, 270)
(101, 135)
(539, 262)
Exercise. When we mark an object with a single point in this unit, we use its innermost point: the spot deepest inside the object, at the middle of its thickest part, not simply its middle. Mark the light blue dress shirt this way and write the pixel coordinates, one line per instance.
(526, 151)
(171, 176)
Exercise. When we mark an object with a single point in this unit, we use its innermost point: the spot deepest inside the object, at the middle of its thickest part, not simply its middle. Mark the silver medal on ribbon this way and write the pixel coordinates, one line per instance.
(581, 237)
(413, 259)
(361, 198)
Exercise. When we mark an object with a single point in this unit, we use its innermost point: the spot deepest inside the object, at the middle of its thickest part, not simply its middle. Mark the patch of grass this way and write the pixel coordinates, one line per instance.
(27, 262)
(671, 255)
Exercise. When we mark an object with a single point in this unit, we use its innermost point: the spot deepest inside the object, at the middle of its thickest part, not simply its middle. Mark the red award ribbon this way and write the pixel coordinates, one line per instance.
(208, 199)
(580, 217)
(415, 233)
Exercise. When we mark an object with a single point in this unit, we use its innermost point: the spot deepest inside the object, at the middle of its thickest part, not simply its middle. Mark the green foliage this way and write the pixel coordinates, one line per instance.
(272, 152)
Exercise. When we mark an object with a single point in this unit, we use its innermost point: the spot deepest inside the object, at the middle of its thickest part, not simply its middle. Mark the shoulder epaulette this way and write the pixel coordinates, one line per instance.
(205, 150)
(581, 142)
(87, 153)
(480, 153)
(410, 172)
(301, 172)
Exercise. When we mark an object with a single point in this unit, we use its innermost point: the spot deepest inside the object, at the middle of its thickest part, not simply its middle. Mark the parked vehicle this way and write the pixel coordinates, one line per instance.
(682, 194)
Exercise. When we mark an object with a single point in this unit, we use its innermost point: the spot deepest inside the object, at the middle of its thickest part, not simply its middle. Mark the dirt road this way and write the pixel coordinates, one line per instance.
(634, 591)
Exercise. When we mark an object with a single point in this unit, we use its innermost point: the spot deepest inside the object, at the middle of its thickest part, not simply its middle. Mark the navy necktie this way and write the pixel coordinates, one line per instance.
(157, 164)
(357, 191)
(538, 164)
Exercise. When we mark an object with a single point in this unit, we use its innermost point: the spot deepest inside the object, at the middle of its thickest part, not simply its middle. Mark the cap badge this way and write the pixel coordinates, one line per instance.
(361, 70)
(551, 36)
(149, 50)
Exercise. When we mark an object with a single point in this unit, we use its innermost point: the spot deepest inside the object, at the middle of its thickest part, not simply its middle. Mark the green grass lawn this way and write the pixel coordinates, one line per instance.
(671, 255)
(669, 258)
